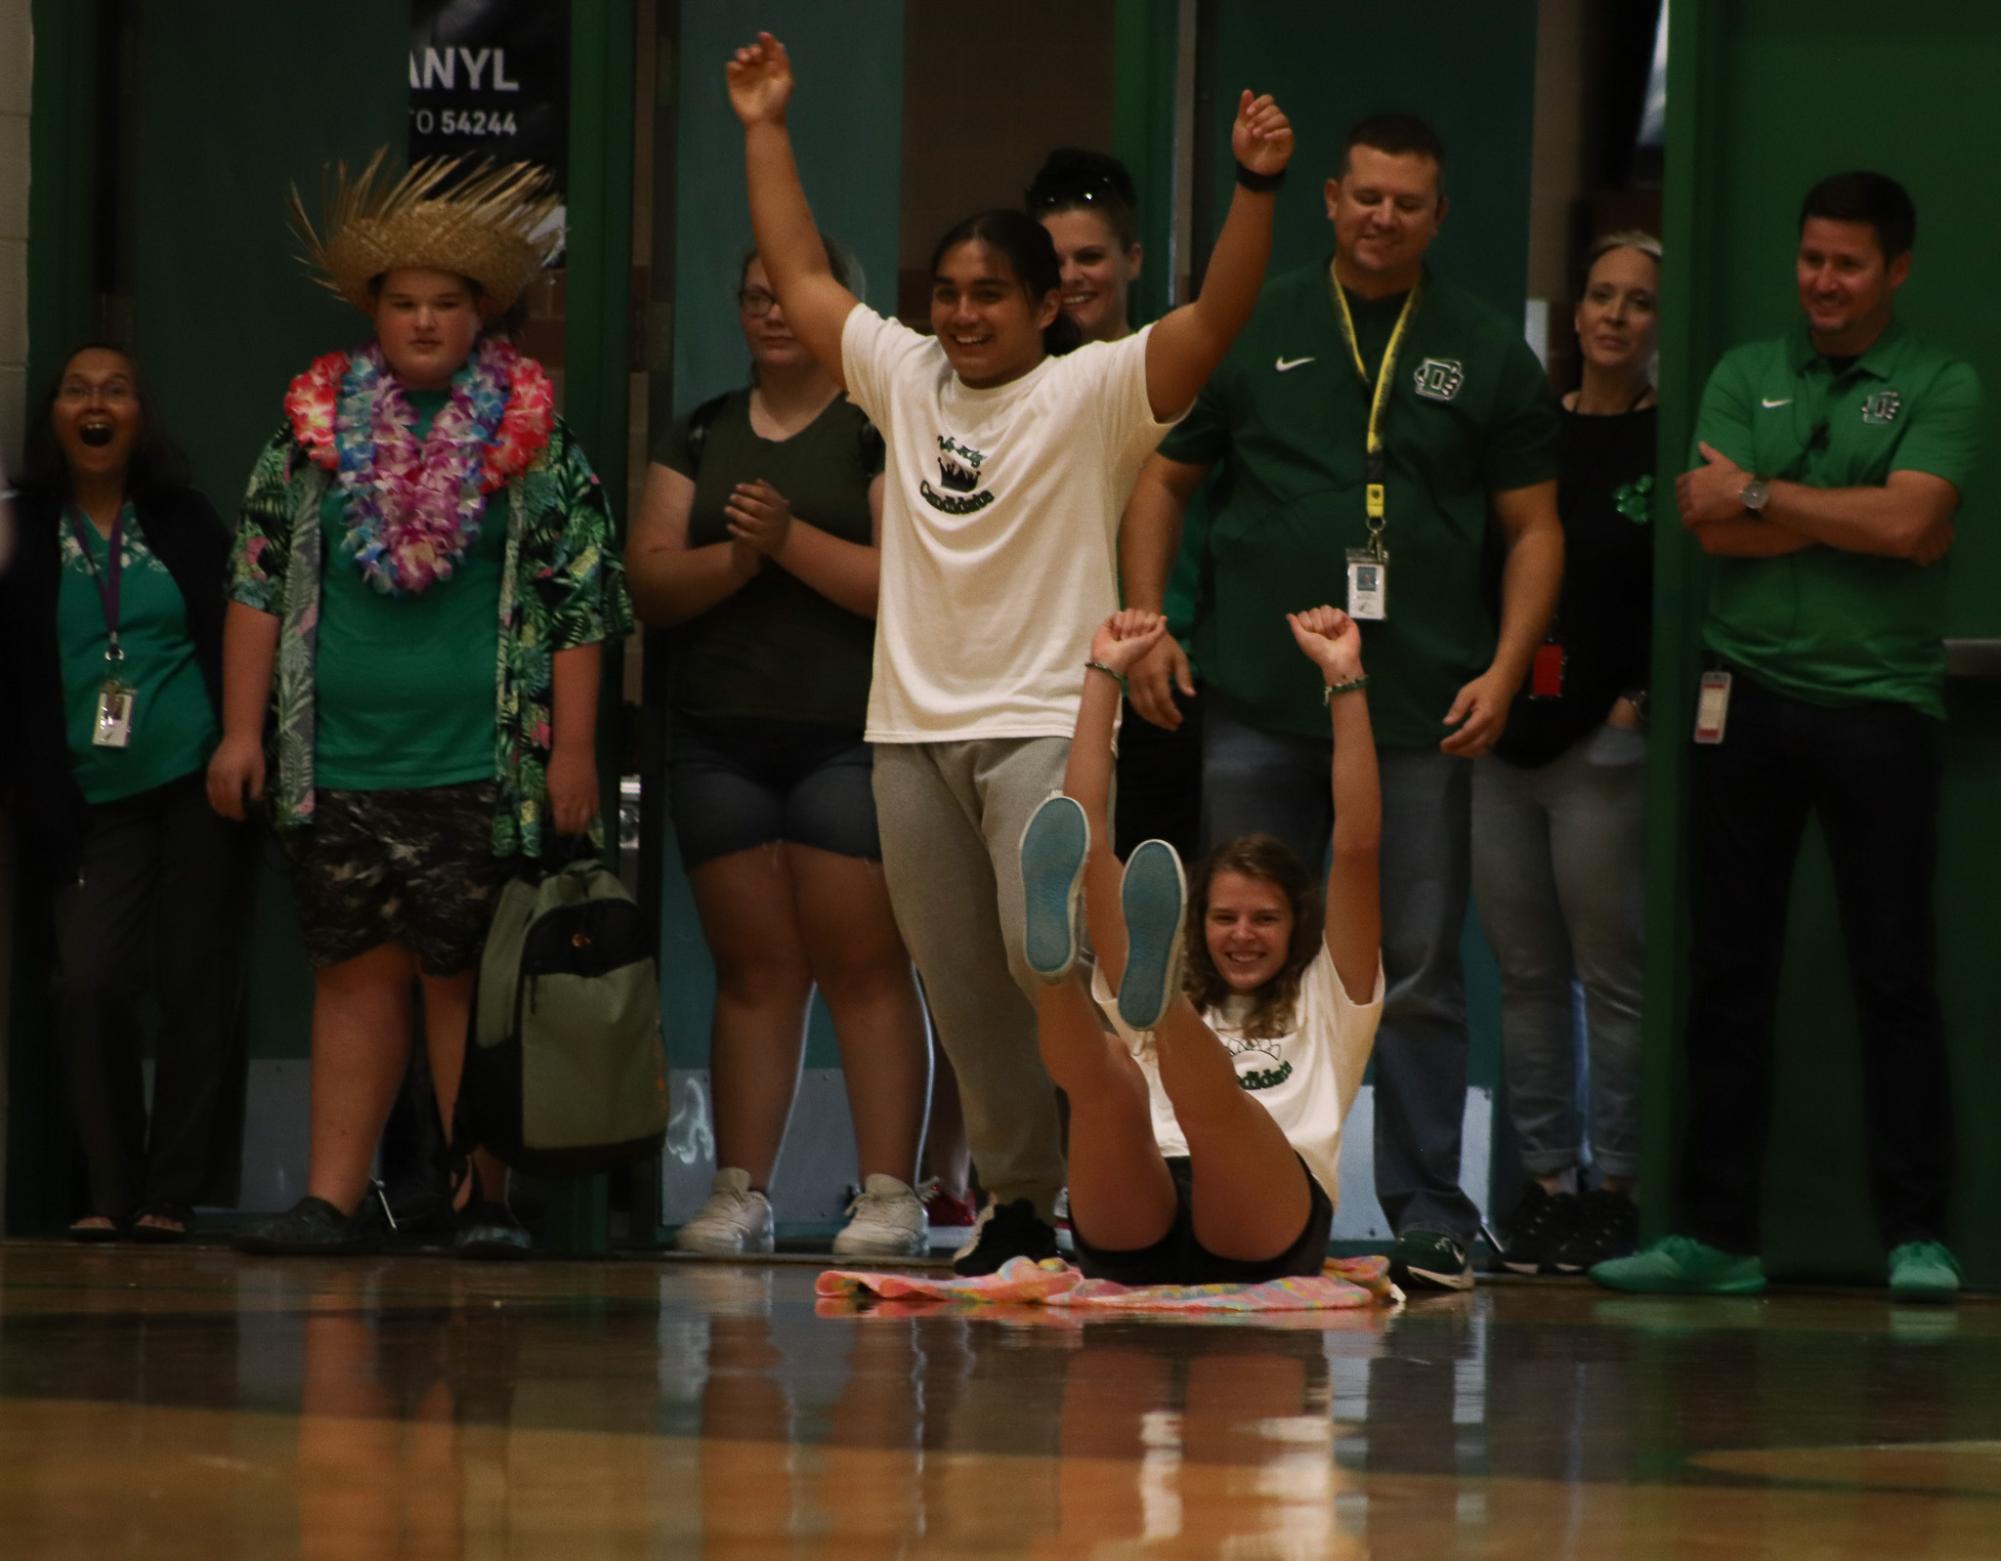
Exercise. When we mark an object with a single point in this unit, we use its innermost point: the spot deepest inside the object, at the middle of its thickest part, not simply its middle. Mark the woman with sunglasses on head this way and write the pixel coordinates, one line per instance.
(1008, 465)
(756, 544)
(111, 608)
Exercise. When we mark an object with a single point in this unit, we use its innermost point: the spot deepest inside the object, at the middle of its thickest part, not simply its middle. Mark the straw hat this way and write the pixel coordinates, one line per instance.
(489, 222)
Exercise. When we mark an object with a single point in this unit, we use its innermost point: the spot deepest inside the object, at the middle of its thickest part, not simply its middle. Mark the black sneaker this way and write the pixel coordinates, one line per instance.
(1544, 1224)
(1430, 1260)
(489, 1232)
(1002, 1231)
(1608, 1226)
(312, 1227)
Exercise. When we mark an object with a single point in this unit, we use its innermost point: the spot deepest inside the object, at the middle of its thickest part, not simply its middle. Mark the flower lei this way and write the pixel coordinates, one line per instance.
(413, 509)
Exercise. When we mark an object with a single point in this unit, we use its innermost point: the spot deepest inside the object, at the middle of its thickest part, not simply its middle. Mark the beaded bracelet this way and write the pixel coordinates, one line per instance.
(1099, 666)
(1351, 686)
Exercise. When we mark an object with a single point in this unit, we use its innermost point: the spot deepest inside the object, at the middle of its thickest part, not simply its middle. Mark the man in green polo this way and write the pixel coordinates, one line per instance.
(1830, 464)
(1372, 427)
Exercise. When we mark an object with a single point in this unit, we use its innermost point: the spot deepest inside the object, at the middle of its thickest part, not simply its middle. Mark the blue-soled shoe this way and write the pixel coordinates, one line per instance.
(1054, 843)
(1152, 897)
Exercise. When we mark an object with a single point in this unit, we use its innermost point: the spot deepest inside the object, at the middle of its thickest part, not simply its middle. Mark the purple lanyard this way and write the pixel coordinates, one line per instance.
(107, 579)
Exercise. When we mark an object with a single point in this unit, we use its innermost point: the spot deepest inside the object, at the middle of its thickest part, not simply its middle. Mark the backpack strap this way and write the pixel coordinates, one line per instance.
(699, 422)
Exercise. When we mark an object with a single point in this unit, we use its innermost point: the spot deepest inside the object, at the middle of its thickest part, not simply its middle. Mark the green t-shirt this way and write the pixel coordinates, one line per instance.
(173, 724)
(776, 649)
(406, 685)
(1469, 414)
(1824, 625)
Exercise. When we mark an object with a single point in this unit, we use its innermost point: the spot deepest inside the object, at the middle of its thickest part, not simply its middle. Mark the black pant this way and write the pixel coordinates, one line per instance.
(1870, 773)
(1160, 781)
(158, 908)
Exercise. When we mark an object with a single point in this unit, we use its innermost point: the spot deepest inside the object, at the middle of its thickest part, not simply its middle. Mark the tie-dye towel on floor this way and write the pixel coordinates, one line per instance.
(1345, 1283)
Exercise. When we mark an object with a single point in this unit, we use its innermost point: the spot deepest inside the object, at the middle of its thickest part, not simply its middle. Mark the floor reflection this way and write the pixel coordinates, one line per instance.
(194, 1404)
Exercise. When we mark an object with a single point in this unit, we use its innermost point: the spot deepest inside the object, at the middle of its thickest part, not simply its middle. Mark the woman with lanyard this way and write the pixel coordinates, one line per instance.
(112, 612)
(1559, 806)
(1007, 467)
(421, 587)
(756, 543)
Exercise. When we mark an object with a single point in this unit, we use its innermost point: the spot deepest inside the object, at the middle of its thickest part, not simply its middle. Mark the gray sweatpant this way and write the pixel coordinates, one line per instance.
(951, 816)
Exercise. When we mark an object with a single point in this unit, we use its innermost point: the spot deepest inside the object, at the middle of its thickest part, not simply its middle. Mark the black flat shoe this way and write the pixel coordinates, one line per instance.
(312, 1227)
(97, 1235)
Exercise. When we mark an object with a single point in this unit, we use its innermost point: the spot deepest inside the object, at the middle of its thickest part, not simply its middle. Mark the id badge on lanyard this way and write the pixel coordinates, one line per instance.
(1369, 567)
(111, 724)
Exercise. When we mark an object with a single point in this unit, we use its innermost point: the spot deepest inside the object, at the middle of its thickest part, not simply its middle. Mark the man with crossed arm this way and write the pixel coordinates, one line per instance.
(1831, 464)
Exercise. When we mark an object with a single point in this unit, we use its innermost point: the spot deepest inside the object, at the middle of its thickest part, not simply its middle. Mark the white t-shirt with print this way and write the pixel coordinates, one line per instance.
(1000, 523)
(1306, 1078)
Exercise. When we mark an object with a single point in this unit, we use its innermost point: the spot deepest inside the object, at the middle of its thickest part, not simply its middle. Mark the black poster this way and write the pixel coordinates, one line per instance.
(491, 78)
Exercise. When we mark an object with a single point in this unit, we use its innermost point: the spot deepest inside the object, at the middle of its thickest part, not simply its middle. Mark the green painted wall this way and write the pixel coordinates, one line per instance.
(222, 314)
(1467, 66)
(847, 128)
(1763, 100)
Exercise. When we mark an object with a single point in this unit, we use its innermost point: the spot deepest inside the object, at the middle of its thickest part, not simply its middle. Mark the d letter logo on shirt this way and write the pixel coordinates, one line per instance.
(1439, 379)
(1882, 407)
(959, 475)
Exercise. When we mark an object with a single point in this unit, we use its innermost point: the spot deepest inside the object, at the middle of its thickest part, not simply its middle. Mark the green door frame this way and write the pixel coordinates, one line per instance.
(65, 156)
(597, 396)
(1687, 294)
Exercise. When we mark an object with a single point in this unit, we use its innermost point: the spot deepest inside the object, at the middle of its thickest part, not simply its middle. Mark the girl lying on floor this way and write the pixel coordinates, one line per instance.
(1205, 1126)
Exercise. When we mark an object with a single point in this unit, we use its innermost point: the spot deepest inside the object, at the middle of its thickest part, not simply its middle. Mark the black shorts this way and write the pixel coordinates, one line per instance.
(409, 867)
(738, 784)
(1179, 1259)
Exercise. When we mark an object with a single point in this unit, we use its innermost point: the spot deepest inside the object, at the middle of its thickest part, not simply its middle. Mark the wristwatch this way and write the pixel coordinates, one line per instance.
(1754, 494)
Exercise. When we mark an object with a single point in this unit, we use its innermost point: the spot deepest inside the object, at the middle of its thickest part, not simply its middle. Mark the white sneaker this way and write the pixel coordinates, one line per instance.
(736, 1219)
(885, 1220)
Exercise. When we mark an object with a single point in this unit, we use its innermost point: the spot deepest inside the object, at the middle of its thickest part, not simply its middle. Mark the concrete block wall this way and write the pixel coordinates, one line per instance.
(16, 71)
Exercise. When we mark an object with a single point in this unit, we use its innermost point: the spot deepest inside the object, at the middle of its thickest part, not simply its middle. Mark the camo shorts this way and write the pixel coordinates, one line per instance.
(410, 867)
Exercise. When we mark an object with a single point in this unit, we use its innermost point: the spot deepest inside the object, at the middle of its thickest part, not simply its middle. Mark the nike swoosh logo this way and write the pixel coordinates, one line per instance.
(1769, 403)
(1287, 365)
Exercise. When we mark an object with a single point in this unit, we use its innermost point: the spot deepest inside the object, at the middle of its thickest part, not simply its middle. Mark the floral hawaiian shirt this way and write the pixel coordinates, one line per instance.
(562, 585)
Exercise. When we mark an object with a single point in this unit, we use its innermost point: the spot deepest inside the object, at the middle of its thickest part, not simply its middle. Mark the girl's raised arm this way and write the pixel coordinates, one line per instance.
(1328, 638)
(1186, 345)
(816, 306)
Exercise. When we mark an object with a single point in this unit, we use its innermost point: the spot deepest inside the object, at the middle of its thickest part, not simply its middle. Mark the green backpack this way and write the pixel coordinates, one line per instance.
(565, 1072)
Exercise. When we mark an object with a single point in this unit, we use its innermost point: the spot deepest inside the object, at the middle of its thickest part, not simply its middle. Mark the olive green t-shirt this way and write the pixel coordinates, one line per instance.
(405, 688)
(776, 649)
(1822, 624)
(173, 723)
(1284, 419)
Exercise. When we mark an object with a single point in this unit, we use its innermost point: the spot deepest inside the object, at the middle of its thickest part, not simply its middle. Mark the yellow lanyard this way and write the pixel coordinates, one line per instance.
(1379, 395)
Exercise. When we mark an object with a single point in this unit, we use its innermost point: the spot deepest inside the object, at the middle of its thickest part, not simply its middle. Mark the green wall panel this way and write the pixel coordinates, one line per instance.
(847, 131)
(1763, 100)
(1467, 66)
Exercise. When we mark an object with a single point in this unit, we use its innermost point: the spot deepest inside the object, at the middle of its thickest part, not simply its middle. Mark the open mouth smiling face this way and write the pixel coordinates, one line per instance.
(96, 411)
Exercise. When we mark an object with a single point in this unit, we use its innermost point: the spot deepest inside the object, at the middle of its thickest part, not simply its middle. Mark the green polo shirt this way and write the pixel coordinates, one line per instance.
(1824, 625)
(1470, 413)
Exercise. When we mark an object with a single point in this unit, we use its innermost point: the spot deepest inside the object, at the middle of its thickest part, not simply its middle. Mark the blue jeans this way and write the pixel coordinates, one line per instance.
(1258, 782)
(1559, 875)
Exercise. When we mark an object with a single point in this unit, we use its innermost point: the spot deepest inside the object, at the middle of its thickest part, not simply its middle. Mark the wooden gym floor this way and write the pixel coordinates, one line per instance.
(190, 1403)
